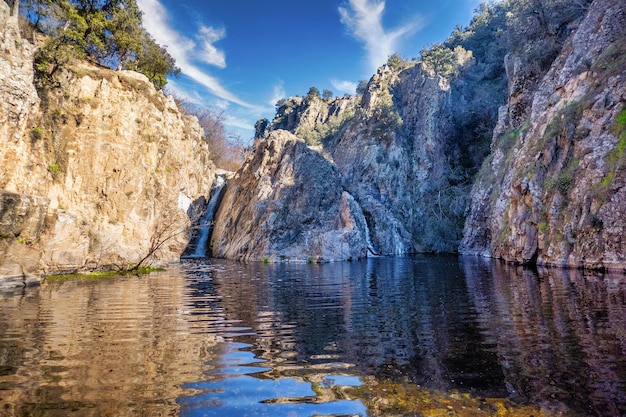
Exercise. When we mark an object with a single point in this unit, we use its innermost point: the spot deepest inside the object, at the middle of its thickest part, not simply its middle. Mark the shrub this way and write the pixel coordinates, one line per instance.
(361, 87)
(395, 62)
(313, 94)
(323, 132)
(562, 182)
(36, 133)
(54, 169)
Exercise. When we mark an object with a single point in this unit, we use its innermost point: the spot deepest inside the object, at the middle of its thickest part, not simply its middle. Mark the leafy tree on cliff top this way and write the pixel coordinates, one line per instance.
(109, 32)
(313, 93)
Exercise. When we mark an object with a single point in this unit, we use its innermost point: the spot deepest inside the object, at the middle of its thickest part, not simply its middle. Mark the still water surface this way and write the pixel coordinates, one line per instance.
(386, 336)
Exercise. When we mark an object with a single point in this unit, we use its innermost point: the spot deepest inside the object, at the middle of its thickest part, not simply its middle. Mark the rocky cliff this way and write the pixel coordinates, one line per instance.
(553, 190)
(548, 94)
(392, 149)
(287, 203)
(97, 167)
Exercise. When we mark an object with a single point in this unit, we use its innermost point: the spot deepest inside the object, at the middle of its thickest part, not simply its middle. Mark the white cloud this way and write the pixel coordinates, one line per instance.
(344, 86)
(233, 121)
(208, 53)
(278, 93)
(222, 104)
(185, 50)
(363, 18)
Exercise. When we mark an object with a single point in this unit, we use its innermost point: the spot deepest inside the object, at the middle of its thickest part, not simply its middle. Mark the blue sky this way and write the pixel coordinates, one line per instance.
(242, 56)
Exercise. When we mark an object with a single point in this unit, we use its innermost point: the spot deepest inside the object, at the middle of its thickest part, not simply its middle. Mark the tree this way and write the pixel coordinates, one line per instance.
(227, 149)
(327, 94)
(396, 62)
(109, 32)
(170, 225)
(126, 34)
(313, 93)
(440, 59)
(260, 127)
(361, 86)
(154, 62)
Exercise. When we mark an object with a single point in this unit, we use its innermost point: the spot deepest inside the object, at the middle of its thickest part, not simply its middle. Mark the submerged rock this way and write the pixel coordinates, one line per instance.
(287, 203)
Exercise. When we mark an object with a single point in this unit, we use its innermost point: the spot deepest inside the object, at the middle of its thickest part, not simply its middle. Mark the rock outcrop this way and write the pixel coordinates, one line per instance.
(385, 156)
(393, 157)
(287, 203)
(553, 192)
(104, 164)
(17, 88)
(396, 152)
(394, 149)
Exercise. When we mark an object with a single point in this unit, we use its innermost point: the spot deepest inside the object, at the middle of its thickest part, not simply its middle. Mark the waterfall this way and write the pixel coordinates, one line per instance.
(206, 221)
(370, 246)
(362, 224)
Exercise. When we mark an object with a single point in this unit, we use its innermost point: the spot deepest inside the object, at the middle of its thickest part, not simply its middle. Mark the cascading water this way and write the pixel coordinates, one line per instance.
(206, 221)
(360, 219)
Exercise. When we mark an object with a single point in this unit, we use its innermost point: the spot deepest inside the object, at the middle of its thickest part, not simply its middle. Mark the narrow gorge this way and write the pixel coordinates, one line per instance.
(507, 158)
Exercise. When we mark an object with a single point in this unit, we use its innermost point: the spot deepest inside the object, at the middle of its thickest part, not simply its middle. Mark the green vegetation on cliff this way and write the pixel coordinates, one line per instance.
(107, 32)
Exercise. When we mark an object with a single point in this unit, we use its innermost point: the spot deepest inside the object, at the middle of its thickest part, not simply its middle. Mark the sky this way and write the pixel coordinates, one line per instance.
(240, 57)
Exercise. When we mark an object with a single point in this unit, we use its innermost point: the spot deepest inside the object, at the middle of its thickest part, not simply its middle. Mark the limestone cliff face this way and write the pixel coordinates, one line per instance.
(553, 190)
(287, 203)
(110, 161)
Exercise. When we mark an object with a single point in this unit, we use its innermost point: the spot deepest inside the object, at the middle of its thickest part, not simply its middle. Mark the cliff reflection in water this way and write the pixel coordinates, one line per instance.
(210, 337)
(106, 347)
(557, 339)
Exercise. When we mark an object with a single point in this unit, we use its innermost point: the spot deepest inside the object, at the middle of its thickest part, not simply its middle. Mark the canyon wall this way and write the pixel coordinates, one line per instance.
(287, 203)
(553, 190)
(96, 167)
(392, 150)
(412, 149)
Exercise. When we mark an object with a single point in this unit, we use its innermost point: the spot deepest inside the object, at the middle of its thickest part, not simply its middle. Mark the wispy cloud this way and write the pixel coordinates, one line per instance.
(278, 93)
(208, 53)
(188, 54)
(344, 86)
(363, 18)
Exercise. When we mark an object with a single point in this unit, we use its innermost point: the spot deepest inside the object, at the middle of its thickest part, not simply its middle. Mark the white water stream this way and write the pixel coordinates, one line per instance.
(206, 222)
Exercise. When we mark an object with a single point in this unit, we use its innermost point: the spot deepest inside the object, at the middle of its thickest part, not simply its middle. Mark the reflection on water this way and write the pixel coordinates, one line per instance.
(219, 338)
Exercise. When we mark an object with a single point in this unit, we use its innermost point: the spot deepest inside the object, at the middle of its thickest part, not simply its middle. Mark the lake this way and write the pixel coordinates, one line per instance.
(387, 336)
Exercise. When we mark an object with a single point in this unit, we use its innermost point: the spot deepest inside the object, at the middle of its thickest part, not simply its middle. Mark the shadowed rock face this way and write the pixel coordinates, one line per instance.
(392, 158)
(554, 192)
(395, 152)
(287, 202)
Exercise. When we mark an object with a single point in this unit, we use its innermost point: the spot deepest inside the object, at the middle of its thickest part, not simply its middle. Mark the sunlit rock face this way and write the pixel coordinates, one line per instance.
(554, 191)
(115, 159)
(19, 97)
(287, 203)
